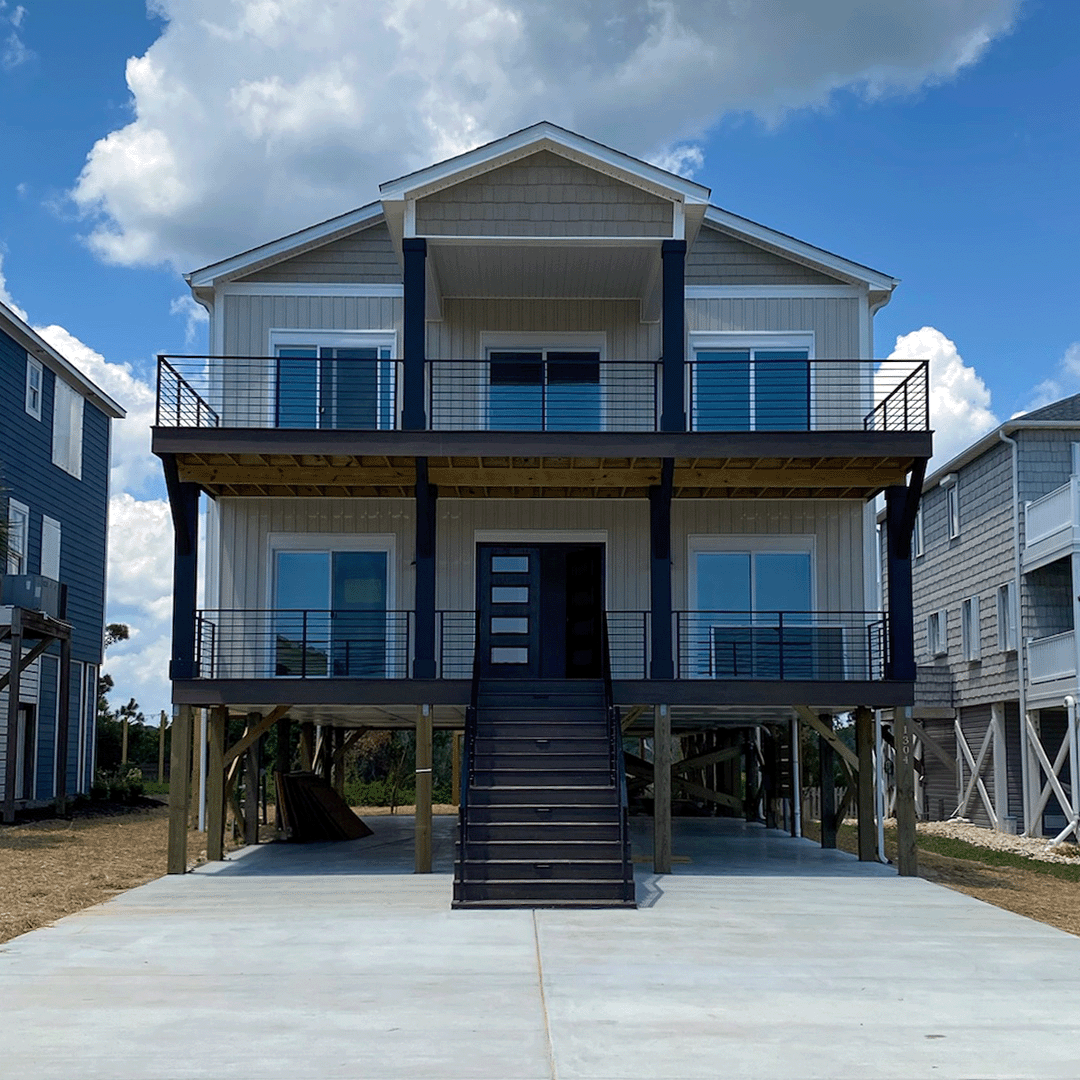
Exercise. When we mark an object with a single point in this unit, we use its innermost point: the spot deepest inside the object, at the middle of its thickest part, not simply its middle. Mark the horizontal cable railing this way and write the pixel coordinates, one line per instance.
(304, 644)
(778, 645)
(339, 392)
(455, 644)
(542, 395)
(349, 392)
(629, 643)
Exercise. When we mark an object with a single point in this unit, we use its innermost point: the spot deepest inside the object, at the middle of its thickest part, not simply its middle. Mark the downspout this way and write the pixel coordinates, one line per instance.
(1021, 678)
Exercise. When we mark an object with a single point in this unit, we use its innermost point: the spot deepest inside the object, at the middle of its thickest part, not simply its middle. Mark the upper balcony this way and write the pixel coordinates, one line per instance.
(546, 423)
(1052, 526)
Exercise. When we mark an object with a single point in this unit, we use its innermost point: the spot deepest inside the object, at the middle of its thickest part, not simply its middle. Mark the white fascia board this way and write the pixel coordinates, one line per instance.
(798, 249)
(284, 247)
(795, 292)
(544, 135)
(311, 288)
(41, 350)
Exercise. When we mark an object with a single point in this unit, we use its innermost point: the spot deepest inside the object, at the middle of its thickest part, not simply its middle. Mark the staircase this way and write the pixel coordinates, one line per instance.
(543, 818)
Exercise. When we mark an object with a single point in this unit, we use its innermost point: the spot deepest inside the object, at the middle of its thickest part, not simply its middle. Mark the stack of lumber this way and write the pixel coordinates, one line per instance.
(313, 811)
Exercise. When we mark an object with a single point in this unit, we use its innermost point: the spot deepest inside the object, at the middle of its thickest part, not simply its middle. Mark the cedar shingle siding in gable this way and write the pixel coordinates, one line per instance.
(366, 256)
(543, 195)
(719, 259)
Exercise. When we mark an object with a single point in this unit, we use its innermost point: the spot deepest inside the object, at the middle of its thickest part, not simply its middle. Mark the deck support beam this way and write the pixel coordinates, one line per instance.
(184, 505)
(307, 746)
(426, 499)
(864, 747)
(179, 789)
(907, 858)
(251, 783)
(215, 785)
(827, 780)
(901, 504)
(662, 790)
(662, 666)
(673, 395)
(413, 410)
(424, 757)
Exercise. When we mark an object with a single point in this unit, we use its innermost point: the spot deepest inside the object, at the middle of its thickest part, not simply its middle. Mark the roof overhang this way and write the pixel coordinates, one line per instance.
(37, 347)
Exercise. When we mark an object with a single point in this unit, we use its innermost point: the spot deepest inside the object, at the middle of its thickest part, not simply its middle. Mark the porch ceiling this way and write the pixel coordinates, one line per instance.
(499, 476)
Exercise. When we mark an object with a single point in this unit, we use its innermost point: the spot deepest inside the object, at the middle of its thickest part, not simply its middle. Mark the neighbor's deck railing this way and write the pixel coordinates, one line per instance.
(1052, 657)
(556, 395)
(723, 645)
(1060, 509)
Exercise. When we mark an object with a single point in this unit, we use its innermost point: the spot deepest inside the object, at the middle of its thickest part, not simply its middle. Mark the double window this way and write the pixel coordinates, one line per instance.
(750, 387)
(544, 390)
(331, 612)
(937, 633)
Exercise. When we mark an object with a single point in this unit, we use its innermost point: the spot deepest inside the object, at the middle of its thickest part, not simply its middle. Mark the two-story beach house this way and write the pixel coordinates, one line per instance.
(996, 572)
(542, 444)
(54, 494)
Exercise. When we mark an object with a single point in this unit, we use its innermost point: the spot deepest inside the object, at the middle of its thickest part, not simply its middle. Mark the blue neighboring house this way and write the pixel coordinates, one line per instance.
(54, 497)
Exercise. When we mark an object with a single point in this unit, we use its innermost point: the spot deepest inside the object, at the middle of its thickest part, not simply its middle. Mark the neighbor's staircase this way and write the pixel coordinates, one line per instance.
(543, 811)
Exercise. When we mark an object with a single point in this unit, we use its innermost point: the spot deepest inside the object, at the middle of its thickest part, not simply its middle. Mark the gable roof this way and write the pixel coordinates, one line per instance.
(37, 347)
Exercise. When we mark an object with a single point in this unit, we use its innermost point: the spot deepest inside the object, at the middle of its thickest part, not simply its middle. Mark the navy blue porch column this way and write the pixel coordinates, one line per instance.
(901, 614)
(184, 505)
(426, 497)
(413, 411)
(673, 377)
(660, 571)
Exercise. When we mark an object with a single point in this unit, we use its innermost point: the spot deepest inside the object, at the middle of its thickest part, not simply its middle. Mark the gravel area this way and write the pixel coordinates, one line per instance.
(1029, 846)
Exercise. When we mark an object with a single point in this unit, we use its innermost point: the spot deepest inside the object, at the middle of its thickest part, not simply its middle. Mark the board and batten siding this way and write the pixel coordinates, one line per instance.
(719, 259)
(544, 194)
(249, 319)
(366, 256)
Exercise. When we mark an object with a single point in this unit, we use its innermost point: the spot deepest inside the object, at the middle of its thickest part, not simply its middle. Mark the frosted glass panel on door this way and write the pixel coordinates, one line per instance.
(509, 564)
(510, 594)
(501, 655)
(509, 626)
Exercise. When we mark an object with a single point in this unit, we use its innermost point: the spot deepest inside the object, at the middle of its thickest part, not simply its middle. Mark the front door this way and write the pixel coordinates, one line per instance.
(540, 610)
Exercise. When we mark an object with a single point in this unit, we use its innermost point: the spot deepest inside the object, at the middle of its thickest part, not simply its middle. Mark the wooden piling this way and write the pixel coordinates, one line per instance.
(907, 859)
(661, 790)
(179, 790)
(864, 746)
(424, 757)
(215, 786)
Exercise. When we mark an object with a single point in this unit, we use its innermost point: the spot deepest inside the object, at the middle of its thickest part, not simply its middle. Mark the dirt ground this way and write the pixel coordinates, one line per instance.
(52, 868)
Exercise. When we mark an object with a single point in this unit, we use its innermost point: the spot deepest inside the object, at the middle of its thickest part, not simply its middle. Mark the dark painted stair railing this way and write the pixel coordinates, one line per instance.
(543, 814)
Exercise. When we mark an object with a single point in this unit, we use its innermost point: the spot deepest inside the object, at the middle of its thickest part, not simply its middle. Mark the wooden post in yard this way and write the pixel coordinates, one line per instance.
(251, 785)
(179, 790)
(424, 739)
(864, 746)
(123, 741)
(161, 748)
(455, 767)
(907, 857)
(827, 758)
(215, 786)
(661, 790)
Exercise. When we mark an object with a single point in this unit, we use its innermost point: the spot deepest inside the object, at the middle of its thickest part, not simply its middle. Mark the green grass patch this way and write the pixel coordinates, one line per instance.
(961, 849)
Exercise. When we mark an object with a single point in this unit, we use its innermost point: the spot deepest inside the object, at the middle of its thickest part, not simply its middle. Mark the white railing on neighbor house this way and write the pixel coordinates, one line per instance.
(1052, 657)
(1058, 510)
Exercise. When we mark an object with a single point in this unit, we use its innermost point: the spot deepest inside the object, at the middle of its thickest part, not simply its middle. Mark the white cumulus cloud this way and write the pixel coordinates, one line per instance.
(5, 297)
(959, 399)
(1064, 381)
(255, 117)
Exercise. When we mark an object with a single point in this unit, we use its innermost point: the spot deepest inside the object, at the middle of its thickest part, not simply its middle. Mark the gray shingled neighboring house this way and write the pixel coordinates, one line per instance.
(997, 681)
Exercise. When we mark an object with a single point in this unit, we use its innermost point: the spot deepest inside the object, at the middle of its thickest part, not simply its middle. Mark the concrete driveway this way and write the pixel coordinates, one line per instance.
(760, 956)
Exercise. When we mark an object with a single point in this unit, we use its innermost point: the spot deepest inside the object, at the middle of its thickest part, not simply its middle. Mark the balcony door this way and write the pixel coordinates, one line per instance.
(540, 610)
(750, 389)
(334, 387)
(330, 616)
(544, 389)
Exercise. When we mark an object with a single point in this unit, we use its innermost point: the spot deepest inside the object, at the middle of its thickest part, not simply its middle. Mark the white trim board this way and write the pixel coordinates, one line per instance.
(792, 292)
(752, 339)
(312, 288)
(511, 339)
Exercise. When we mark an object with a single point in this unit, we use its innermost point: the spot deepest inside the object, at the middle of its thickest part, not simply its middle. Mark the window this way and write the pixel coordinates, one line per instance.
(331, 387)
(750, 389)
(33, 387)
(67, 429)
(917, 537)
(544, 390)
(331, 613)
(18, 537)
(50, 548)
(937, 634)
(952, 504)
(971, 629)
(1006, 613)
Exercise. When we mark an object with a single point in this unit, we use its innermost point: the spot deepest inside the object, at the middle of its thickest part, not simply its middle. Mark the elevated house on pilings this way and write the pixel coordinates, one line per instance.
(543, 446)
(996, 572)
(54, 496)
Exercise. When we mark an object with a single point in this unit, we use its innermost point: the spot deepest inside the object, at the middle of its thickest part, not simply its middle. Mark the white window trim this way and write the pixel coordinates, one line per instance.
(331, 542)
(971, 629)
(941, 646)
(952, 510)
(918, 536)
(33, 365)
(23, 511)
(48, 523)
(766, 340)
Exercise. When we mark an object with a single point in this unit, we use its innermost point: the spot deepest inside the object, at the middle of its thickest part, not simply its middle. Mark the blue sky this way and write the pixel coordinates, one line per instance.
(939, 143)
